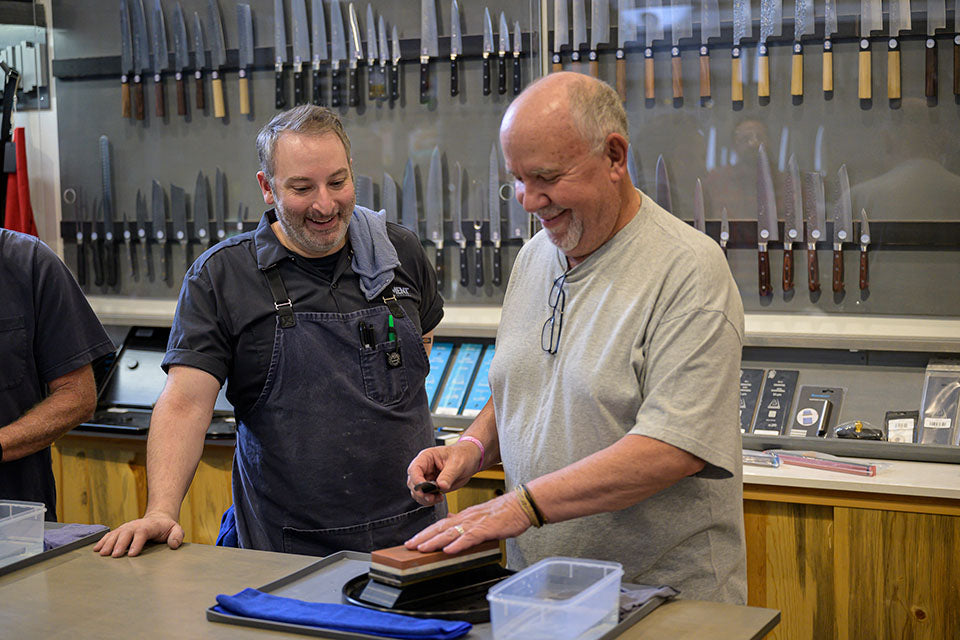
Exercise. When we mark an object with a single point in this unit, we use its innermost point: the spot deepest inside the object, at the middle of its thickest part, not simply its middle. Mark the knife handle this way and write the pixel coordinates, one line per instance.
(956, 65)
(502, 75)
(395, 82)
(81, 262)
(736, 81)
(163, 262)
(893, 69)
(931, 68)
(676, 66)
(353, 88)
(98, 262)
(648, 79)
(132, 252)
(244, 93)
(125, 109)
(704, 73)
(138, 109)
(424, 80)
(838, 270)
(594, 63)
(110, 262)
(219, 108)
(317, 95)
(201, 103)
(813, 269)
(181, 96)
(279, 100)
(336, 77)
(439, 264)
(371, 93)
(864, 72)
(864, 270)
(556, 63)
(621, 75)
(788, 268)
(763, 60)
(496, 267)
(299, 97)
(763, 262)
(158, 96)
(486, 76)
(827, 66)
(796, 71)
(517, 80)
(463, 267)
(478, 263)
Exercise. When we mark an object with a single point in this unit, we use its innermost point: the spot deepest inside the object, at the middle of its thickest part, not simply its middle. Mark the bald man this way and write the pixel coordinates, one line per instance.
(614, 404)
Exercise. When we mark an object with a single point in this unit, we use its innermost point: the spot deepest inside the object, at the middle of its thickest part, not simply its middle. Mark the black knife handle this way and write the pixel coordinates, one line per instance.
(501, 75)
(763, 262)
(788, 268)
(353, 96)
(930, 74)
(956, 65)
(439, 263)
(394, 82)
(424, 81)
(148, 259)
(496, 266)
(813, 270)
(463, 267)
(81, 263)
(280, 102)
(864, 270)
(371, 93)
(98, 263)
(201, 103)
(299, 93)
(486, 76)
(317, 93)
(138, 109)
(110, 262)
(132, 251)
(336, 78)
(838, 271)
(454, 77)
(517, 82)
(478, 274)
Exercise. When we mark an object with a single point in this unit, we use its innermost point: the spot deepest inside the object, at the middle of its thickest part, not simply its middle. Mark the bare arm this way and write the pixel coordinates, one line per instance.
(72, 399)
(180, 421)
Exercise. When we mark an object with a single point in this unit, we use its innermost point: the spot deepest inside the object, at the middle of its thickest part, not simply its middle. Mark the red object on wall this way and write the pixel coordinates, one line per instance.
(19, 213)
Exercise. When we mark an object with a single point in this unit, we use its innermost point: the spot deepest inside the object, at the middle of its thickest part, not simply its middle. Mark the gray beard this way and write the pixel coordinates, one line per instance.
(569, 240)
(302, 239)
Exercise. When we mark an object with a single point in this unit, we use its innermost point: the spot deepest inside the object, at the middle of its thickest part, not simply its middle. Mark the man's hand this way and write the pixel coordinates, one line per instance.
(496, 519)
(449, 467)
(130, 537)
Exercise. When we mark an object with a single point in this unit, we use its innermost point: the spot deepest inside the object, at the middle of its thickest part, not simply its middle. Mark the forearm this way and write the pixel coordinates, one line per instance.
(484, 429)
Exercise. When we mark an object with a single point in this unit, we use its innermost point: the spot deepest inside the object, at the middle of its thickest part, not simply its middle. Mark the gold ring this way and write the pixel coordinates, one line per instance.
(459, 530)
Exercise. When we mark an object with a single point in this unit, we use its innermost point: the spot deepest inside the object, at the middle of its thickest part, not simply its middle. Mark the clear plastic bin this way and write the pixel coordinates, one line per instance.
(21, 530)
(557, 599)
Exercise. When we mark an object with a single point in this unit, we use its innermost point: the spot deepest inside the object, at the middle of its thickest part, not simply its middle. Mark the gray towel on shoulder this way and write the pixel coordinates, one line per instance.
(374, 256)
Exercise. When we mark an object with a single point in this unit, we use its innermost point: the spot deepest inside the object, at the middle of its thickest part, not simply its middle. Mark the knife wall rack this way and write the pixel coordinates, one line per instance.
(931, 235)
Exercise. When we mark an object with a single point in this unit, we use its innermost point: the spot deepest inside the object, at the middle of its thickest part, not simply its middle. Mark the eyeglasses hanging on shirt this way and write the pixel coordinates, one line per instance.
(550, 334)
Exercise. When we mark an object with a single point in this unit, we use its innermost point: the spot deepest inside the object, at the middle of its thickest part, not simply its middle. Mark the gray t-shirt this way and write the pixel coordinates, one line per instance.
(650, 345)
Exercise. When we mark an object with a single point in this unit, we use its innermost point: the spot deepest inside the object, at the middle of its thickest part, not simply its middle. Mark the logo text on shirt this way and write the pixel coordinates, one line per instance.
(401, 292)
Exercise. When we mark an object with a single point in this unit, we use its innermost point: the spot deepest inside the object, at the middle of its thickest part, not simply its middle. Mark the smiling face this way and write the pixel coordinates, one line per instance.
(312, 191)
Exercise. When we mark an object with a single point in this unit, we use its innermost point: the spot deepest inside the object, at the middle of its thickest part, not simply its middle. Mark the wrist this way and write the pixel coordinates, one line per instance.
(479, 445)
(529, 507)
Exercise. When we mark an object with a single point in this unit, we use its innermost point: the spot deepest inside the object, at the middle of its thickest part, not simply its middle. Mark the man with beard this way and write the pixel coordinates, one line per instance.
(315, 321)
(615, 383)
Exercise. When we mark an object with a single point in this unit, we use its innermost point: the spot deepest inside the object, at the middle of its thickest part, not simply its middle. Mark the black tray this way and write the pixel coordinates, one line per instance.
(46, 555)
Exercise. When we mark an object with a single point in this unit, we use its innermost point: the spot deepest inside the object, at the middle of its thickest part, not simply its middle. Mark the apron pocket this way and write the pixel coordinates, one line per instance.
(382, 382)
(13, 346)
(369, 536)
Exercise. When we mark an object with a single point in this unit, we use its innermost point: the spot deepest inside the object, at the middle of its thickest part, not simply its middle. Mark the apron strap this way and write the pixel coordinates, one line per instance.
(281, 299)
(395, 308)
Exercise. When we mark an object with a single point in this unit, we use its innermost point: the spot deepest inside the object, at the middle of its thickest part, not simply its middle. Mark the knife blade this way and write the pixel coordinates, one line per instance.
(131, 250)
(830, 27)
(181, 57)
(106, 206)
(355, 55)
(433, 209)
(517, 50)
(200, 59)
(201, 211)
(395, 66)
(487, 49)
(126, 60)
(429, 44)
(664, 198)
(178, 214)
(458, 235)
(518, 220)
(699, 210)
(871, 19)
(864, 245)
(456, 47)
(243, 212)
(936, 19)
(561, 32)
(842, 228)
(803, 25)
(279, 52)
(218, 56)
(494, 210)
(383, 50)
(81, 234)
(632, 169)
(159, 212)
(220, 207)
(767, 225)
(318, 41)
(388, 198)
(709, 28)
(141, 55)
(771, 24)
(599, 33)
(365, 191)
(626, 32)
(742, 28)
(579, 29)
(814, 211)
(245, 39)
(142, 236)
(724, 230)
(371, 54)
(900, 20)
(161, 57)
(653, 30)
(681, 27)
(96, 240)
(338, 52)
(793, 219)
(409, 215)
(503, 45)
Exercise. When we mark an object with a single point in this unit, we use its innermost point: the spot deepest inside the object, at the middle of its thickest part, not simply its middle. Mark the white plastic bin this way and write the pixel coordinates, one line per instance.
(21, 530)
(557, 599)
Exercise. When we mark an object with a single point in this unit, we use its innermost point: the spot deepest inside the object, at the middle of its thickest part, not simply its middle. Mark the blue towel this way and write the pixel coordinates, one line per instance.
(252, 603)
(374, 256)
(228, 536)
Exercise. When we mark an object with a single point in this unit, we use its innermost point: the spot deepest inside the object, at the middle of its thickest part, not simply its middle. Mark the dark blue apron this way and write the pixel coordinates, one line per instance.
(321, 461)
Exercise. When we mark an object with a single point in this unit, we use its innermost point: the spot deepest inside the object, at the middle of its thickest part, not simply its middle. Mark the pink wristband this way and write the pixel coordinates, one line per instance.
(483, 451)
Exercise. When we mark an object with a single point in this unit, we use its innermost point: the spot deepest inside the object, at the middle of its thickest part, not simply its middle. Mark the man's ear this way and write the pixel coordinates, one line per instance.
(616, 150)
(265, 188)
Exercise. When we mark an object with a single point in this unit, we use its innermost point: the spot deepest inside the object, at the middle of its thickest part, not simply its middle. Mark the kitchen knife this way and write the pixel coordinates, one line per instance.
(503, 45)
(371, 54)
(664, 198)
(354, 56)
(81, 235)
(279, 52)
(456, 47)
(318, 40)
(178, 214)
(956, 48)
(433, 209)
(131, 250)
(142, 236)
(814, 211)
(161, 57)
(395, 66)
(245, 38)
(681, 27)
(388, 198)
(141, 55)
(803, 25)
(200, 59)
(201, 211)
(792, 218)
(864, 245)
(126, 60)
(632, 169)
(218, 56)
(599, 33)
(767, 225)
(429, 44)
(106, 200)
(626, 32)
(518, 220)
(338, 52)
(561, 33)
(579, 29)
(458, 235)
(709, 28)
(96, 240)
(830, 27)
(742, 28)
(900, 20)
(159, 211)
(724, 230)
(771, 24)
(653, 30)
(487, 49)
(220, 207)
(517, 50)
(181, 57)
(409, 216)
(699, 209)
(936, 19)
(478, 245)
(842, 228)
(871, 19)
(365, 191)
(243, 212)
(383, 51)
(494, 210)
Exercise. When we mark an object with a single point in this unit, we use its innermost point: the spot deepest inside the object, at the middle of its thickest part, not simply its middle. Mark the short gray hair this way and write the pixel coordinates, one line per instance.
(307, 119)
(597, 111)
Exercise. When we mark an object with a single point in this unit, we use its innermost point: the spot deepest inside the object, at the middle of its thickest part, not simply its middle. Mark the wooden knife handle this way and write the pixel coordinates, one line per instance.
(648, 79)
(931, 68)
(463, 267)
(594, 65)
(201, 103)
(244, 94)
(956, 65)
(813, 270)
(517, 79)
(219, 108)
(827, 66)
(394, 82)
(763, 262)
(501, 75)
(864, 271)
(486, 76)
(439, 264)
(317, 88)
(138, 107)
(865, 80)
(704, 73)
(125, 108)
(796, 71)
(158, 97)
(893, 69)
(736, 81)
(838, 271)
(279, 101)
(676, 67)
(763, 82)
(298, 89)
(181, 96)
(788, 269)
(454, 77)
(621, 76)
(556, 67)
(496, 277)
